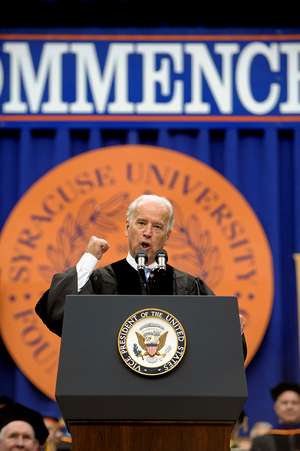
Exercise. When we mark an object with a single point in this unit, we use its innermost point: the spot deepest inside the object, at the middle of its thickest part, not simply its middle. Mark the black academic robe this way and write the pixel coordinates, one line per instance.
(284, 440)
(118, 278)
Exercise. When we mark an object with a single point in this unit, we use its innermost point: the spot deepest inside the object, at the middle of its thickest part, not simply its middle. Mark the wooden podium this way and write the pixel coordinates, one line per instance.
(151, 436)
(109, 407)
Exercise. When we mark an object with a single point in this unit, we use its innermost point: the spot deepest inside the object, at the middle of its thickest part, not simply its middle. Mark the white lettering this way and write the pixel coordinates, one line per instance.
(162, 77)
(38, 83)
(202, 63)
(292, 105)
(116, 67)
(243, 77)
(22, 68)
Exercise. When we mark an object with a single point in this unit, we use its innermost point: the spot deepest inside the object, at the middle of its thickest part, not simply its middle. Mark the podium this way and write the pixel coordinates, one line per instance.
(108, 406)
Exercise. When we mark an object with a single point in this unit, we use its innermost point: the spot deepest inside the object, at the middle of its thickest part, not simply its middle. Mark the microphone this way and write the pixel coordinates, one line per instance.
(161, 258)
(141, 258)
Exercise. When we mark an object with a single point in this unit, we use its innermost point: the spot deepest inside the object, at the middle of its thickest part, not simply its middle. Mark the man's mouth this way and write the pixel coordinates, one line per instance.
(145, 245)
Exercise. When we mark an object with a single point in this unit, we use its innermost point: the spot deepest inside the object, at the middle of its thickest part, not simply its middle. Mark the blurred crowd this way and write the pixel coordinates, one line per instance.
(282, 436)
(25, 428)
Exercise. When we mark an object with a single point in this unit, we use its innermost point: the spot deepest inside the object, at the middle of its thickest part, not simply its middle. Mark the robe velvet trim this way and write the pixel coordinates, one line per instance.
(125, 272)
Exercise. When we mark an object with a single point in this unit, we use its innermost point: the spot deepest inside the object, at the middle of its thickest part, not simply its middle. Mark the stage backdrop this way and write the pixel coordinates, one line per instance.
(228, 105)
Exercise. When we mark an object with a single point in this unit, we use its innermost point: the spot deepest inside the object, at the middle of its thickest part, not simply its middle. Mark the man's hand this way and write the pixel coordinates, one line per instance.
(97, 247)
(55, 433)
(242, 324)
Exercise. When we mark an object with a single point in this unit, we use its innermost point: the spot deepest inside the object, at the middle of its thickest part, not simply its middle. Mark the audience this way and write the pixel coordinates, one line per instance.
(21, 428)
(24, 428)
(285, 436)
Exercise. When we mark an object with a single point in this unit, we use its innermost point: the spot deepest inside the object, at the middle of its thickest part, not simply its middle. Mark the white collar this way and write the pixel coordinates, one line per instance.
(133, 263)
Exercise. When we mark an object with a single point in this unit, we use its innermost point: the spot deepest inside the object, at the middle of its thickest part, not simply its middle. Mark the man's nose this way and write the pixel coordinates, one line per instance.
(20, 442)
(147, 230)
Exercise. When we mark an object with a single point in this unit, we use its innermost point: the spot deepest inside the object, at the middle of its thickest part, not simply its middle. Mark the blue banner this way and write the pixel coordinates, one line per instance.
(48, 79)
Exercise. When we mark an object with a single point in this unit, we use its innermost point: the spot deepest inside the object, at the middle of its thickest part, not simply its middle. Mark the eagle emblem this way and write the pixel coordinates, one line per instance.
(152, 344)
(152, 339)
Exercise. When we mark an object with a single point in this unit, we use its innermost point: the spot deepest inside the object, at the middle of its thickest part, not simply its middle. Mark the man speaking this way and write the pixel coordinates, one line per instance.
(148, 227)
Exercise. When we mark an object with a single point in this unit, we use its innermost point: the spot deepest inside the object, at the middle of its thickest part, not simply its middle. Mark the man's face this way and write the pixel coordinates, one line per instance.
(148, 229)
(18, 435)
(287, 407)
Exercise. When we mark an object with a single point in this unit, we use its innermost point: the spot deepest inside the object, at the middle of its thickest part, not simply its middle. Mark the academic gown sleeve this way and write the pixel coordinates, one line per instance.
(186, 284)
(272, 442)
(50, 308)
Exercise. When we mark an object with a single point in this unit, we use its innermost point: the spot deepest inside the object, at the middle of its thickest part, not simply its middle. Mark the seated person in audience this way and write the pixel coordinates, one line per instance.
(285, 436)
(21, 428)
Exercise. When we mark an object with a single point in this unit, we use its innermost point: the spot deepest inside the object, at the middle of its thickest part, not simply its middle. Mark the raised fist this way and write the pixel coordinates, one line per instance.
(97, 247)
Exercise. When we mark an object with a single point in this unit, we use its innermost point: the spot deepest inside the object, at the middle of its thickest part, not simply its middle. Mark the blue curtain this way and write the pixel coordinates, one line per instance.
(262, 164)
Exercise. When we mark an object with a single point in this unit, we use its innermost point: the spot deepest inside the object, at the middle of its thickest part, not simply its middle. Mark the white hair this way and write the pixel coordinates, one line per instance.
(153, 198)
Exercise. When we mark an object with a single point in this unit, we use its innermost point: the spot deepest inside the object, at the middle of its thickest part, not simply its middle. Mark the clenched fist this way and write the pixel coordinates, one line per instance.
(97, 247)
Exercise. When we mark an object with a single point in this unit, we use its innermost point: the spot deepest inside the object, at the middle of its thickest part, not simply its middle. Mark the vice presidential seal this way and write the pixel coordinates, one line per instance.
(152, 342)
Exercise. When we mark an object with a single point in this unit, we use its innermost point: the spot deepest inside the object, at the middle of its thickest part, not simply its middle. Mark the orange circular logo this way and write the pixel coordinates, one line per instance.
(216, 236)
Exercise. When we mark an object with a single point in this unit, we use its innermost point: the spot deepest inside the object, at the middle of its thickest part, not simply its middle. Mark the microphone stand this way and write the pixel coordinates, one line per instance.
(141, 258)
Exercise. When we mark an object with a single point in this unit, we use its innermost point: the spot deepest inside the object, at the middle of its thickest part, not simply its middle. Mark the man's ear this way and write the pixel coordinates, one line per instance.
(36, 445)
(168, 237)
(127, 228)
